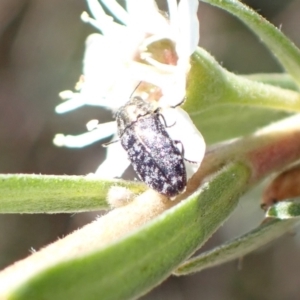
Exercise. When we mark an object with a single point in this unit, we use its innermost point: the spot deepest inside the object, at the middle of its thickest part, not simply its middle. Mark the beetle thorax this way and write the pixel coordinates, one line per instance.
(131, 111)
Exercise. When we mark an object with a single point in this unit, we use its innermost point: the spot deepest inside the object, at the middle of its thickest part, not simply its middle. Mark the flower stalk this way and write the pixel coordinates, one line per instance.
(285, 51)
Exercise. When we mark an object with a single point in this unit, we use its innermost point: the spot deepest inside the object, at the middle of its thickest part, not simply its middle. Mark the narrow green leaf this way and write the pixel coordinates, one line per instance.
(21, 193)
(236, 248)
(285, 209)
(131, 266)
(280, 46)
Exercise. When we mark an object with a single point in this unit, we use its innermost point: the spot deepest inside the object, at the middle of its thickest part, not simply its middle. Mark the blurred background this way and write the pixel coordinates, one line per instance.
(41, 51)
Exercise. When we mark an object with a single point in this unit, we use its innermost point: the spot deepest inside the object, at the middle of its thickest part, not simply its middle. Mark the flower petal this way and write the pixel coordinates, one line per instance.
(181, 128)
(145, 17)
(79, 141)
(188, 37)
(117, 10)
(116, 162)
(107, 82)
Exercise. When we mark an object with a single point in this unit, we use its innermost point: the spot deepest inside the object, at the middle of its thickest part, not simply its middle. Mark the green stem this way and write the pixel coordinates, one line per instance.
(282, 48)
(265, 151)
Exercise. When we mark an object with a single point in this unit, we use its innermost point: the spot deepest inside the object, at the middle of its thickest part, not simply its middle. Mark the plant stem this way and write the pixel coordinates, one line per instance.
(279, 45)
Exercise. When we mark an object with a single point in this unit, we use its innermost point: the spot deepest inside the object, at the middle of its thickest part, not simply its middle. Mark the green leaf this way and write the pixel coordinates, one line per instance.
(131, 266)
(236, 248)
(20, 193)
(210, 85)
(279, 45)
(227, 122)
(218, 99)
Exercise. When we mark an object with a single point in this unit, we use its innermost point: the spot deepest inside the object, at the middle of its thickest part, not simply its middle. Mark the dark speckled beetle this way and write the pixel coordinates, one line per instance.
(155, 157)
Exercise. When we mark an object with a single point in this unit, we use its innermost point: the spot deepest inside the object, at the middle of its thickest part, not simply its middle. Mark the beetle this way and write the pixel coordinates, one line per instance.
(155, 157)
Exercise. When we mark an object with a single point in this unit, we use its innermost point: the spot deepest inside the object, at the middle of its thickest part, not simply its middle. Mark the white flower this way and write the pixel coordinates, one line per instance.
(148, 51)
